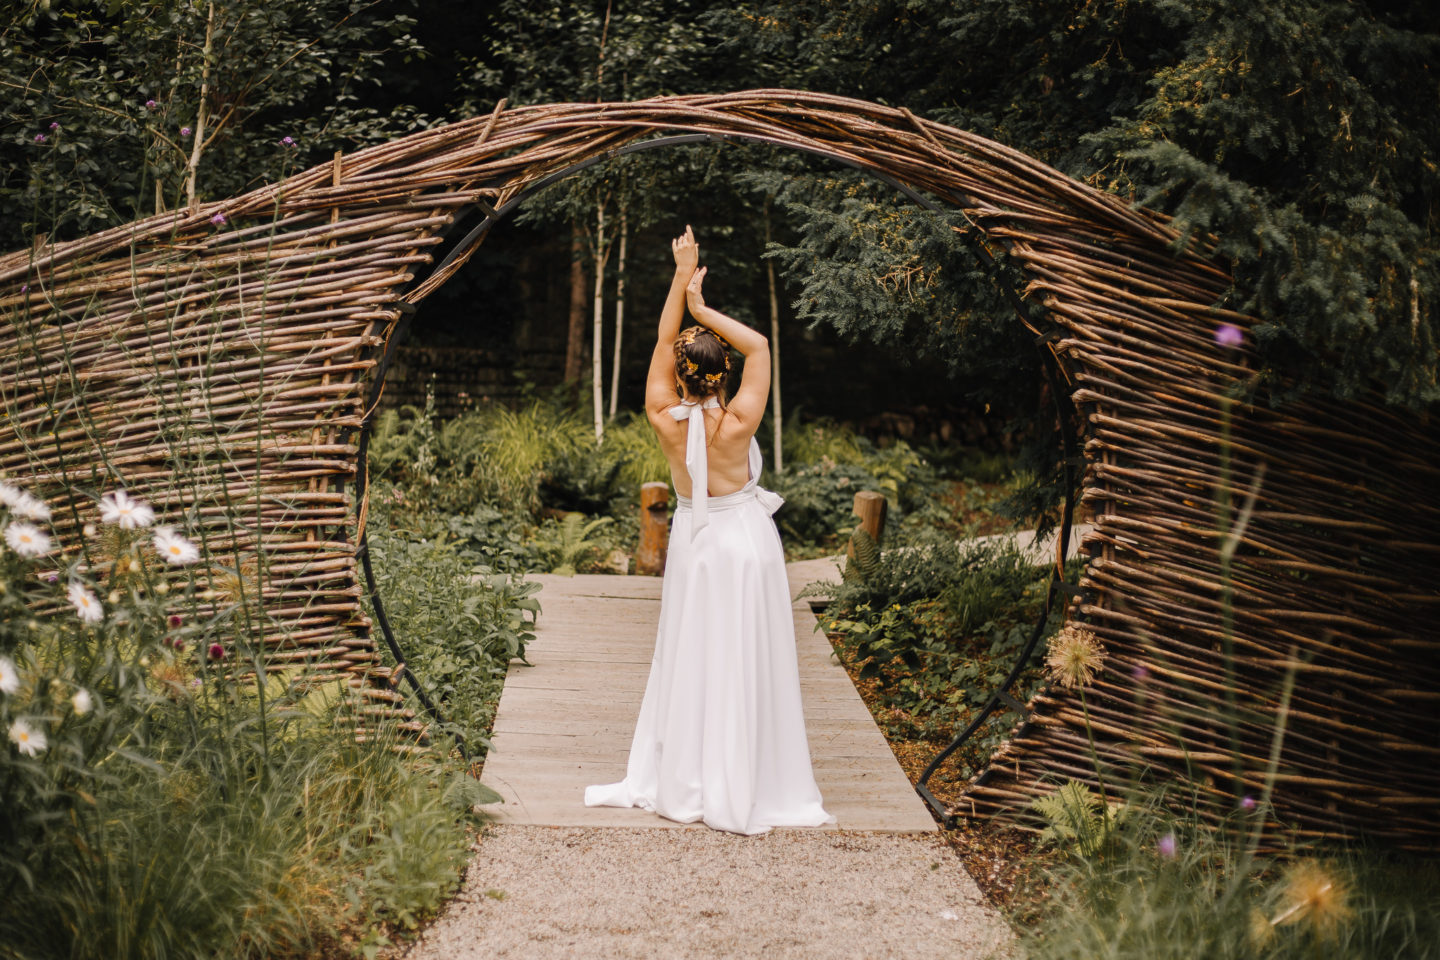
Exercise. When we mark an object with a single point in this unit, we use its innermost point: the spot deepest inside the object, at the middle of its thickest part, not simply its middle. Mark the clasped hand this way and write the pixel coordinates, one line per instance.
(687, 258)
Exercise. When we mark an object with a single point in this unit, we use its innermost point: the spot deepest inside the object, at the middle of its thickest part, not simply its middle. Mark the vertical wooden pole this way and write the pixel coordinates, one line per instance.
(871, 507)
(654, 529)
(777, 415)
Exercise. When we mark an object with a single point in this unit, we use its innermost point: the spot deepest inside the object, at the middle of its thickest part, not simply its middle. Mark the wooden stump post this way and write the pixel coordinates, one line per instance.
(654, 529)
(870, 507)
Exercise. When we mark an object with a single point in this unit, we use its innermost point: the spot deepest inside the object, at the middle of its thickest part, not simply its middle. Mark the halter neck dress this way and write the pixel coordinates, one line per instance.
(721, 733)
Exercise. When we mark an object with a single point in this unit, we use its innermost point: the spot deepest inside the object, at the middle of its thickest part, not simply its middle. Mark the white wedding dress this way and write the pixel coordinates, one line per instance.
(721, 734)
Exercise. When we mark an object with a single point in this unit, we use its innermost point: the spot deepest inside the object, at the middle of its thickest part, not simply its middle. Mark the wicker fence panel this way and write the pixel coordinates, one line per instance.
(218, 361)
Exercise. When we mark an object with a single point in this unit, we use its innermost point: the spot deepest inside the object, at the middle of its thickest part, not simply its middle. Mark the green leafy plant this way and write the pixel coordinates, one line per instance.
(1076, 818)
(568, 541)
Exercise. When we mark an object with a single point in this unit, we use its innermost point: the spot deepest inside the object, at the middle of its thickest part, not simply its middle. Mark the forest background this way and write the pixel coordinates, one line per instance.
(1302, 133)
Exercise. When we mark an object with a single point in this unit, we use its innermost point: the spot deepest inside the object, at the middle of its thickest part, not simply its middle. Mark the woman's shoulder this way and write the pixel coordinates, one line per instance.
(662, 414)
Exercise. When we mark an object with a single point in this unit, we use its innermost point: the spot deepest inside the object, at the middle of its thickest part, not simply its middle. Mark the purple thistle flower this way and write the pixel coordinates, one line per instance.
(184, 131)
(175, 620)
(1229, 335)
(149, 104)
(217, 652)
(1139, 672)
(218, 219)
(39, 138)
(24, 288)
(1166, 846)
(54, 125)
(287, 141)
(53, 578)
(1247, 803)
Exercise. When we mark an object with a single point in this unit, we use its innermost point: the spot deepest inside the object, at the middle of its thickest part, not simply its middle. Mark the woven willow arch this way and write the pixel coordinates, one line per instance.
(222, 369)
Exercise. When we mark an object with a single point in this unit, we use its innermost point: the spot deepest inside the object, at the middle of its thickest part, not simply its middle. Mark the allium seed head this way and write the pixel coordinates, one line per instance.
(1318, 895)
(1074, 657)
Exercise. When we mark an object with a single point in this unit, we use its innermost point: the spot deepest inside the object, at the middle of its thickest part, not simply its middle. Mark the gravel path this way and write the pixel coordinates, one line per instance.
(538, 892)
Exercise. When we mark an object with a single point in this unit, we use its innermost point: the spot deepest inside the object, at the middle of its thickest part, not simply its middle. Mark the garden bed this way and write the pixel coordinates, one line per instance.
(1001, 859)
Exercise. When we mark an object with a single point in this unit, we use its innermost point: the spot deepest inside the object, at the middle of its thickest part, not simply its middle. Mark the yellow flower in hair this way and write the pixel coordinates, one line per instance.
(713, 377)
(691, 366)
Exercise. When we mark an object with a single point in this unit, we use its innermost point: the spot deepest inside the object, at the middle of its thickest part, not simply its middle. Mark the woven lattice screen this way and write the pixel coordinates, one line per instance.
(219, 362)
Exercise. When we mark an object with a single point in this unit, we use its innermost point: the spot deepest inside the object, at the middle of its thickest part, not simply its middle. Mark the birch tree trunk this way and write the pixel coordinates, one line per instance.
(192, 168)
(575, 331)
(775, 410)
(619, 309)
(597, 383)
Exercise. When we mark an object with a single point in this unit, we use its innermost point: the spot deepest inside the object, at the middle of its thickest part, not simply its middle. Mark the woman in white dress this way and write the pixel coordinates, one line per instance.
(721, 734)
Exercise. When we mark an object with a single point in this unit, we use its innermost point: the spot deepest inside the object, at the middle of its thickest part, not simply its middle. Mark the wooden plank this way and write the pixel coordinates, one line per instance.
(566, 722)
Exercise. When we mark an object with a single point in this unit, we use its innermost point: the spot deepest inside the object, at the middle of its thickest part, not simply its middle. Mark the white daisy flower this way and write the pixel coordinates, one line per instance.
(82, 702)
(30, 740)
(175, 548)
(10, 494)
(86, 604)
(9, 676)
(121, 508)
(31, 508)
(26, 539)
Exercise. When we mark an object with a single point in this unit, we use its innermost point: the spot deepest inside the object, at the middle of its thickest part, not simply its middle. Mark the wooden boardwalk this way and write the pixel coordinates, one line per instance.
(566, 721)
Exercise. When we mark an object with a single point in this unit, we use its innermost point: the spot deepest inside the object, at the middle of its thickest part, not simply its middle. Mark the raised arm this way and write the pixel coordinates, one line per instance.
(660, 382)
(748, 404)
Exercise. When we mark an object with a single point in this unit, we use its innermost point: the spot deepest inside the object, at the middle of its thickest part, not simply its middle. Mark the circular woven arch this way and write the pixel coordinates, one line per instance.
(222, 368)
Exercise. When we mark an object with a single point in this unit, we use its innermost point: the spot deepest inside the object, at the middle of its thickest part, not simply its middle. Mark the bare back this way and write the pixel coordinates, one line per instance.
(728, 452)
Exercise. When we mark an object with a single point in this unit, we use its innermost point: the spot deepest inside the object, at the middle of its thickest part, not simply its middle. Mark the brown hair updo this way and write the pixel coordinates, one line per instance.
(702, 362)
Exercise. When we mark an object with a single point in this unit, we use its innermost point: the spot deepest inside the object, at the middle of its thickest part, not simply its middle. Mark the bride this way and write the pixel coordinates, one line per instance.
(721, 735)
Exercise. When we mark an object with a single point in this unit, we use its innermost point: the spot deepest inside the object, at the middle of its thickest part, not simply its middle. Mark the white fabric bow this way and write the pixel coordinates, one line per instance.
(696, 462)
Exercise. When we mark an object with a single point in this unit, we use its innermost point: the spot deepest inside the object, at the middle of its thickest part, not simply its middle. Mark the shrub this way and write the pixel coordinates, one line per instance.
(152, 804)
(1168, 886)
(458, 619)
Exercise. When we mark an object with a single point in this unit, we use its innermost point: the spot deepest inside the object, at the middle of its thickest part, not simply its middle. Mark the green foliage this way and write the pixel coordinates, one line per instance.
(1075, 818)
(631, 441)
(863, 563)
(819, 499)
(491, 455)
(1173, 889)
(568, 541)
(458, 620)
(275, 69)
(154, 807)
(1292, 131)
(937, 623)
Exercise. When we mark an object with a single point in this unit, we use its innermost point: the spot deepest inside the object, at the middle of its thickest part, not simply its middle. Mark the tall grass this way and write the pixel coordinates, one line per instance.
(1169, 887)
(256, 856)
